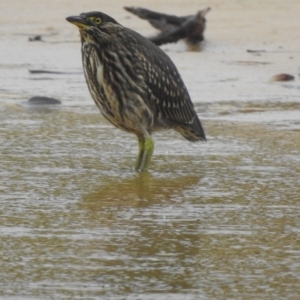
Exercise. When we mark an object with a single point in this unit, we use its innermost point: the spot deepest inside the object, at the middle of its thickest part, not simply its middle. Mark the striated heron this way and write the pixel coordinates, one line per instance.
(134, 83)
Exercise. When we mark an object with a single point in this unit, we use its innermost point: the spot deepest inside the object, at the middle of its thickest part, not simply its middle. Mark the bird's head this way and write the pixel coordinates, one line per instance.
(95, 25)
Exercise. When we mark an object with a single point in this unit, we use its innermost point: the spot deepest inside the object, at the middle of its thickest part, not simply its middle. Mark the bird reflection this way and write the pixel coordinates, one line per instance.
(145, 219)
(141, 190)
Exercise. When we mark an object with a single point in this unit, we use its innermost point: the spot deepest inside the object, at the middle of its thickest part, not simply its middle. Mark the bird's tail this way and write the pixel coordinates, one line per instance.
(192, 132)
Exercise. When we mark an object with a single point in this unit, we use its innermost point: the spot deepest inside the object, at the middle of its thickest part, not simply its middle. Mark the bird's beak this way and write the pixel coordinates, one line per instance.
(79, 21)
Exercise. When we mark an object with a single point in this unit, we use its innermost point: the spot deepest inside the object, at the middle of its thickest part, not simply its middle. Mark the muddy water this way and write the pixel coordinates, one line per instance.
(210, 221)
(216, 220)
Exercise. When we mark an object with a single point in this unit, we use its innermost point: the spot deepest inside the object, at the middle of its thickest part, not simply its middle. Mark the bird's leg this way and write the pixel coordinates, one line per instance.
(141, 140)
(146, 147)
(149, 147)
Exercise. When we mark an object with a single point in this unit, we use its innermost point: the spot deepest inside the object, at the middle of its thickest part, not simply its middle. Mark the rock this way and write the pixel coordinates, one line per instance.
(41, 100)
(282, 77)
(36, 38)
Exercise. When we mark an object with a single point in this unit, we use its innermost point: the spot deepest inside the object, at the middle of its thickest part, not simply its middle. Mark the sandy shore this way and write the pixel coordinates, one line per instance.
(223, 71)
(253, 22)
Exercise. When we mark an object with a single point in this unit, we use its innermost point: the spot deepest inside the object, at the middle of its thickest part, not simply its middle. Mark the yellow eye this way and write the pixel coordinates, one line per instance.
(97, 21)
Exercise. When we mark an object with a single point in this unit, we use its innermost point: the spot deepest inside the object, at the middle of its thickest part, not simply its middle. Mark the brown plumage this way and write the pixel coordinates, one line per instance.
(135, 84)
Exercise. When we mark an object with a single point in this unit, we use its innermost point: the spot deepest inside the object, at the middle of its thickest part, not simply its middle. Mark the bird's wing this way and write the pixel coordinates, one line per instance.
(167, 94)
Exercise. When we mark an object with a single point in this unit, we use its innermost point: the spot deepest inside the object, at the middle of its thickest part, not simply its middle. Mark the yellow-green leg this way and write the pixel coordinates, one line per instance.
(146, 147)
(141, 141)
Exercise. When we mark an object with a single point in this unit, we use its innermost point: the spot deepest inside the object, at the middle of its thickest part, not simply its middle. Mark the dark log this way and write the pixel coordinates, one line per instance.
(160, 21)
(174, 28)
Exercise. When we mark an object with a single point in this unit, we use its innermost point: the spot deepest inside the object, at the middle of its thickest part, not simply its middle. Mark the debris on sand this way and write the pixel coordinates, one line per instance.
(282, 77)
(174, 28)
(42, 100)
(36, 38)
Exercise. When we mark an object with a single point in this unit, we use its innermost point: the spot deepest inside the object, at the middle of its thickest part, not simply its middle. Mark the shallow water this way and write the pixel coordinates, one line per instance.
(215, 220)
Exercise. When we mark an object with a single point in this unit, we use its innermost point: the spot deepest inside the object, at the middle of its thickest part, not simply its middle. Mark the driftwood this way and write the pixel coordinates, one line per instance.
(174, 28)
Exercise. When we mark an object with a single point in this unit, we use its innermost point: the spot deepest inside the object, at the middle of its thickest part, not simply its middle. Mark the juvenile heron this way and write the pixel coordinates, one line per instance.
(134, 83)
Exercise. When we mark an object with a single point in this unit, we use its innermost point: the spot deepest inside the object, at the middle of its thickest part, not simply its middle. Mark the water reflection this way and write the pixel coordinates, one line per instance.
(214, 219)
(140, 190)
(153, 240)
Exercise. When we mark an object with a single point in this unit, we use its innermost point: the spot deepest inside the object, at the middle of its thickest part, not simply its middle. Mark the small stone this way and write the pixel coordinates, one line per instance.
(35, 38)
(41, 100)
(282, 77)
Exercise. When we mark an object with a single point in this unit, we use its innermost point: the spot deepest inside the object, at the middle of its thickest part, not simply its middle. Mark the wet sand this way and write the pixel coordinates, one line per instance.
(225, 70)
(215, 220)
